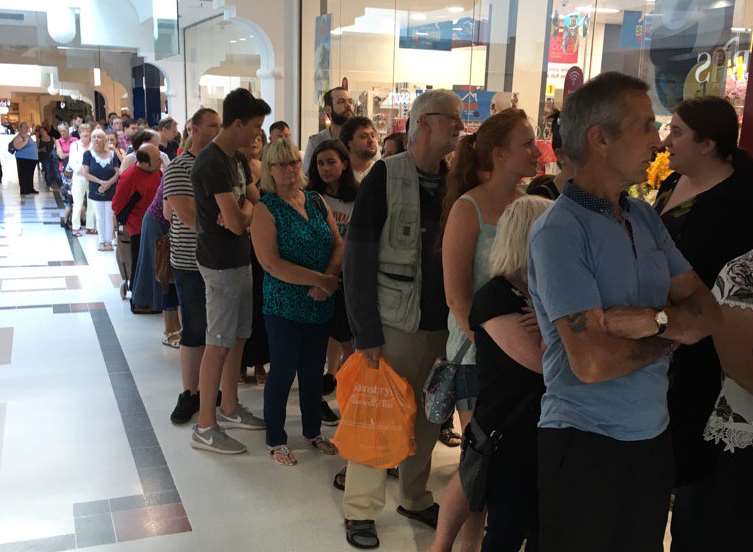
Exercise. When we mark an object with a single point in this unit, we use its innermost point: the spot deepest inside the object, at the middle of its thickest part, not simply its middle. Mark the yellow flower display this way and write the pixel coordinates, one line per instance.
(655, 175)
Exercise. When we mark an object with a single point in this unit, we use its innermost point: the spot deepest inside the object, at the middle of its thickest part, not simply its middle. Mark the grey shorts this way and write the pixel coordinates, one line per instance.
(229, 305)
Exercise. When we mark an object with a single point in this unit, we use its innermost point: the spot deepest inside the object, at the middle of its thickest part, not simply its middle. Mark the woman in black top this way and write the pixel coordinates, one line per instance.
(706, 205)
(508, 355)
(547, 185)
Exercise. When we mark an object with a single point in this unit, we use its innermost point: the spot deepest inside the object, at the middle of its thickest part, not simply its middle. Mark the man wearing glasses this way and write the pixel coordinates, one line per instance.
(338, 105)
(395, 299)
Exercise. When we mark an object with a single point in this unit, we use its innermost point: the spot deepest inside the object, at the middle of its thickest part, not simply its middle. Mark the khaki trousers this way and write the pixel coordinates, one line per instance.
(411, 355)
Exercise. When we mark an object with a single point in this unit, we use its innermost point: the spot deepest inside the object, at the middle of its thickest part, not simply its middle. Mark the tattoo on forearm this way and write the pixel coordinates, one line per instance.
(649, 349)
(577, 322)
(694, 306)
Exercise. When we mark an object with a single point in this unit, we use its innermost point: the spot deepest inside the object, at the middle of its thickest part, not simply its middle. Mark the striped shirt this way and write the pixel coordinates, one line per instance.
(177, 182)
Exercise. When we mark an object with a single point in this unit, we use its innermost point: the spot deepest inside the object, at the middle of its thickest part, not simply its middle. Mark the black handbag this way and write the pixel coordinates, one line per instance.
(476, 455)
(477, 452)
(123, 214)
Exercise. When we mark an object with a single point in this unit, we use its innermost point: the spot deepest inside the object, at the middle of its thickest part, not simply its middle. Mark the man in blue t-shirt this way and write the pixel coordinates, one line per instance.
(613, 297)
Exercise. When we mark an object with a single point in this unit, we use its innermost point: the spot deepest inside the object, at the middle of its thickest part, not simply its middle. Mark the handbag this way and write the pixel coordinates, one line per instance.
(11, 147)
(478, 450)
(163, 272)
(439, 388)
(476, 455)
(122, 215)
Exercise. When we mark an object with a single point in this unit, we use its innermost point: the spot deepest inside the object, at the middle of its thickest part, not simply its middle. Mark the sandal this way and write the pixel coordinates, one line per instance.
(361, 533)
(172, 339)
(323, 445)
(339, 481)
(282, 455)
(260, 374)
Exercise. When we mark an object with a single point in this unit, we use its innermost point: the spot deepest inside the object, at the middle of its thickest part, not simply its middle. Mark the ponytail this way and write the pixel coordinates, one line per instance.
(463, 176)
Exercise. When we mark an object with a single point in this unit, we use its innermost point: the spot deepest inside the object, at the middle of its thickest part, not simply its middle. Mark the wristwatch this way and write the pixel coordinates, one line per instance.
(662, 321)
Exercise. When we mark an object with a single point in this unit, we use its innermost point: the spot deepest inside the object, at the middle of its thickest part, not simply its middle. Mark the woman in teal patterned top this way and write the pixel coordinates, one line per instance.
(297, 243)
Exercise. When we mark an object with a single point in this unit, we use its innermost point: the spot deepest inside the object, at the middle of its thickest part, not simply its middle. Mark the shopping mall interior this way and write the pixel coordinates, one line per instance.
(89, 457)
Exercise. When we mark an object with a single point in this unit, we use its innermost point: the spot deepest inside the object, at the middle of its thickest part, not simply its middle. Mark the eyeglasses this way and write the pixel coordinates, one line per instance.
(451, 117)
(287, 164)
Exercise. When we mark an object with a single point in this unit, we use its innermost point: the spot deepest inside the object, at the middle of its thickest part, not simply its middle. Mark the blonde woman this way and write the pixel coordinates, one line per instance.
(508, 356)
(100, 167)
(79, 184)
(300, 249)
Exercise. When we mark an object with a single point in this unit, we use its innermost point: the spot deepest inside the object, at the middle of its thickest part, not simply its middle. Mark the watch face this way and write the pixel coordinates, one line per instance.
(662, 318)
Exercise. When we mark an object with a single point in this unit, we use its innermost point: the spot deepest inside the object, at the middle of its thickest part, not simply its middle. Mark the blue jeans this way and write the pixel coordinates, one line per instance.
(294, 348)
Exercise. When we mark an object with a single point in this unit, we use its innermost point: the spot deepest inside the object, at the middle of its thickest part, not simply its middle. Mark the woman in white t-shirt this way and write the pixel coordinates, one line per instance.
(729, 490)
(79, 184)
(331, 175)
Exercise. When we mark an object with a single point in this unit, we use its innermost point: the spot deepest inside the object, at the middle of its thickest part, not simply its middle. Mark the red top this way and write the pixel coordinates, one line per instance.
(135, 179)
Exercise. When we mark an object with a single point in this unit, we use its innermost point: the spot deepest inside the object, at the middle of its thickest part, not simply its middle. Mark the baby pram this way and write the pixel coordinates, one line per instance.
(123, 258)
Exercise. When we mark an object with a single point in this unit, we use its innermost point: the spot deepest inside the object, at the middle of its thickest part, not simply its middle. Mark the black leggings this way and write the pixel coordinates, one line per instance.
(26, 168)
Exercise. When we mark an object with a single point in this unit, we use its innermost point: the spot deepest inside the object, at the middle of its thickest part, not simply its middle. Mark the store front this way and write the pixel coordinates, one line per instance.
(534, 53)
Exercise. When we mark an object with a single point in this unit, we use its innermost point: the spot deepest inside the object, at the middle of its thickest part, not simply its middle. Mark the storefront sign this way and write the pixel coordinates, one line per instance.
(573, 81)
(728, 53)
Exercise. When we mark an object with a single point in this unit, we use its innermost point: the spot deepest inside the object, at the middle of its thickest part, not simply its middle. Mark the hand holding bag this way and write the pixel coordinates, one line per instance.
(439, 389)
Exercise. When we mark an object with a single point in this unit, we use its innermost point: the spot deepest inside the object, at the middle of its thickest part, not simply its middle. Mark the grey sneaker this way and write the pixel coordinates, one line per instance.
(240, 419)
(216, 440)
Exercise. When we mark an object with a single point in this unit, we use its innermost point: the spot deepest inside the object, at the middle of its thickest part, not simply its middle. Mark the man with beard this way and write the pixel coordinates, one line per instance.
(338, 105)
(360, 137)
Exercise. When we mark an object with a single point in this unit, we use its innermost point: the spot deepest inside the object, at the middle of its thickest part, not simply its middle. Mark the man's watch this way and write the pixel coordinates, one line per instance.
(662, 321)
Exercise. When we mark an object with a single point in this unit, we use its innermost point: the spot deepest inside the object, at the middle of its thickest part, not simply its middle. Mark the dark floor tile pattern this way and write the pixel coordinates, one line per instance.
(159, 510)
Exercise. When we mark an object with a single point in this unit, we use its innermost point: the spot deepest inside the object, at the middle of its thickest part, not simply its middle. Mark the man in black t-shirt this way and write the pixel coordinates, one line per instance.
(223, 254)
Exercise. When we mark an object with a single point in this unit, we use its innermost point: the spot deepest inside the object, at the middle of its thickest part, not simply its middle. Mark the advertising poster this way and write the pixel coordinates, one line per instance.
(635, 30)
(322, 48)
(476, 103)
(565, 38)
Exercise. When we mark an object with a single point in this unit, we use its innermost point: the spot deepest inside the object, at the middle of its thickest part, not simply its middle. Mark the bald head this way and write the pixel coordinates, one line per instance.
(148, 157)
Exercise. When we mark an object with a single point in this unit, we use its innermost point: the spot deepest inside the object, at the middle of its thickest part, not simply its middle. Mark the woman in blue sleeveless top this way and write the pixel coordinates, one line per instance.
(297, 242)
(26, 159)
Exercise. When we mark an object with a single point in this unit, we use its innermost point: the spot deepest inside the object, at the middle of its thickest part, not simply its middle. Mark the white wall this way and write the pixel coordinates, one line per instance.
(532, 27)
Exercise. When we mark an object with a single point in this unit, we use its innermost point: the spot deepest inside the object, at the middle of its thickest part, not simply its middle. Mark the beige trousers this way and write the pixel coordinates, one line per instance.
(411, 355)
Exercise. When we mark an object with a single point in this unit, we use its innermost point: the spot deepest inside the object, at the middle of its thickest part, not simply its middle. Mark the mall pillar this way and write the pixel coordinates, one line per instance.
(531, 42)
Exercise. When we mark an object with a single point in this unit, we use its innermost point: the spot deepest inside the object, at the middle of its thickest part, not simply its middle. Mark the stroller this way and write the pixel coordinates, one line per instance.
(123, 258)
(67, 196)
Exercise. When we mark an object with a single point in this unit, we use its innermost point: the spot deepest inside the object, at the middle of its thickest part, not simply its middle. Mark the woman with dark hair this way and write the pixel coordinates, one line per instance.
(393, 144)
(706, 206)
(546, 185)
(25, 149)
(484, 180)
(256, 349)
(331, 176)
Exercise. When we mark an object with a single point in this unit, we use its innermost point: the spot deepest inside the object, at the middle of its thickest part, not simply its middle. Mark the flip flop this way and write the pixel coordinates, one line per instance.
(361, 534)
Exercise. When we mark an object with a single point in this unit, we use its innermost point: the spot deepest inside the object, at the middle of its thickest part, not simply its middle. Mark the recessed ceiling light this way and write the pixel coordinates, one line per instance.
(422, 34)
(456, 9)
(457, 29)
(590, 9)
(250, 36)
(233, 41)
(242, 39)
(418, 16)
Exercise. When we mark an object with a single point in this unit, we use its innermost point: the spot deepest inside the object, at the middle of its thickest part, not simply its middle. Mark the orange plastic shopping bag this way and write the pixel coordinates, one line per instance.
(377, 414)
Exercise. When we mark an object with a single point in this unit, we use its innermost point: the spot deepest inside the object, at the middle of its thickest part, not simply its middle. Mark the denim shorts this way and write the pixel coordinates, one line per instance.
(466, 387)
(229, 305)
(193, 307)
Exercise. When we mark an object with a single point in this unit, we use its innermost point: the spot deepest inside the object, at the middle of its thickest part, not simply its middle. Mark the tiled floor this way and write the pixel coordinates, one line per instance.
(88, 456)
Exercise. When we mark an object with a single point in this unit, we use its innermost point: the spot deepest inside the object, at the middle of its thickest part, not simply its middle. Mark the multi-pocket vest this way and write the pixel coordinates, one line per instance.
(399, 272)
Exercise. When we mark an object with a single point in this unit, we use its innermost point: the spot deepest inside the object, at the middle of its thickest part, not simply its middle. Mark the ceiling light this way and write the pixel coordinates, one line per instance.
(418, 16)
(242, 39)
(233, 41)
(458, 29)
(456, 9)
(250, 36)
(590, 9)
(721, 4)
(740, 30)
(421, 34)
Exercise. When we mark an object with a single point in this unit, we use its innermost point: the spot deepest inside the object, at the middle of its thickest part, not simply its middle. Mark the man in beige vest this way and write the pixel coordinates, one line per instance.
(395, 297)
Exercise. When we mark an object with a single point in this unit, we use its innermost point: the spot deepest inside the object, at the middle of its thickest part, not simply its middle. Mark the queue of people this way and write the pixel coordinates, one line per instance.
(601, 345)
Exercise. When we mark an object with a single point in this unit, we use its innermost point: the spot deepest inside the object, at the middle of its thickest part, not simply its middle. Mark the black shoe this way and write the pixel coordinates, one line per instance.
(34, 192)
(329, 418)
(429, 517)
(361, 534)
(329, 384)
(187, 406)
(449, 438)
